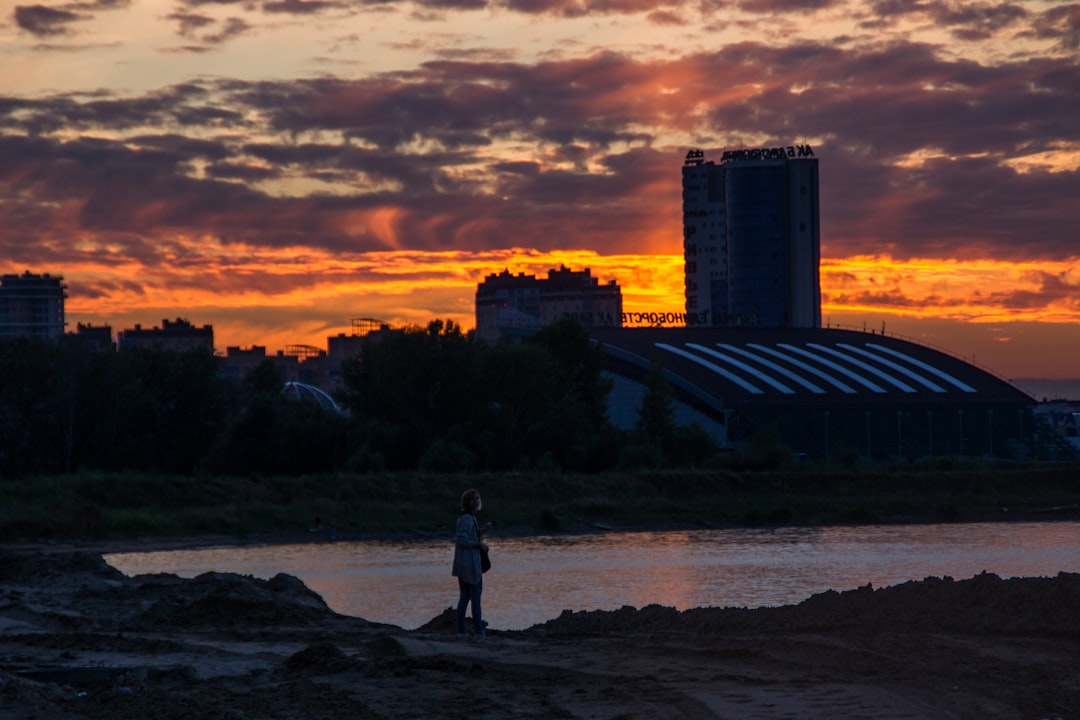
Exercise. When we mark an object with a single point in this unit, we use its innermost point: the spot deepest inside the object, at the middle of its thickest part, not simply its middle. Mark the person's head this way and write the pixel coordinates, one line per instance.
(470, 501)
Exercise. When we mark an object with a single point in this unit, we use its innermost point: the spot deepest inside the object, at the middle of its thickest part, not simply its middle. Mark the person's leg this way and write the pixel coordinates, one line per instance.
(477, 615)
(464, 595)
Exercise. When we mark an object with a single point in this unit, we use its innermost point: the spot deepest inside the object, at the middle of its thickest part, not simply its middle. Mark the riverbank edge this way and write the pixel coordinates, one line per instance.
(150, 544)
(114, 512)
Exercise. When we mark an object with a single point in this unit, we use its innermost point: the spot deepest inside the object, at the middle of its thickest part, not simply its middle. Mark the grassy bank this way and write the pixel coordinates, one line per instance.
(127, 506)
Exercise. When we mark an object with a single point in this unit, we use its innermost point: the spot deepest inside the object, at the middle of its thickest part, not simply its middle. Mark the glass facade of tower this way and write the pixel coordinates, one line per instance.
(751, 238)
(757, 248)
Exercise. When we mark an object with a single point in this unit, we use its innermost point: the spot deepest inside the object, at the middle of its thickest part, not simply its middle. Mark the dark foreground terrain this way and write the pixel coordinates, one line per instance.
(80, 640)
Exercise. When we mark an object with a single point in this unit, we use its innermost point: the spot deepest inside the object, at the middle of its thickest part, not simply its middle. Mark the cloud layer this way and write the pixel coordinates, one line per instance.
(247, 155)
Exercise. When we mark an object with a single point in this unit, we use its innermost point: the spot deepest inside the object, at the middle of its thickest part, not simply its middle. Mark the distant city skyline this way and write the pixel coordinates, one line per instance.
(275, 169)
(933, 332)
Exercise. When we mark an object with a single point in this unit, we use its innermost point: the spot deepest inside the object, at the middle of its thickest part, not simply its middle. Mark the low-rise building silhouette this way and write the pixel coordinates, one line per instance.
(178, 334)
(525, 302)
(99, 337)
(32, 306)
(240, 362)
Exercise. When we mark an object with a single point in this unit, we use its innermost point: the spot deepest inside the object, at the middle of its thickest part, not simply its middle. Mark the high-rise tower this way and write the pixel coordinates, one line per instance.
(751, 238)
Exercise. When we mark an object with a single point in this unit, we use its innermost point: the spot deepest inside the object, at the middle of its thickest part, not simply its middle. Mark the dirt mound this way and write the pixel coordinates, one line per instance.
(444, 622)
(985, 603)
(385, 647)
(24, 568)
(17, 690)
(229, 600)
(627, 619)
(321, 658)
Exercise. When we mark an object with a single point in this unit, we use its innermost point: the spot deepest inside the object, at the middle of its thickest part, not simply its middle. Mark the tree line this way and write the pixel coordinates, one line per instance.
(431, 398)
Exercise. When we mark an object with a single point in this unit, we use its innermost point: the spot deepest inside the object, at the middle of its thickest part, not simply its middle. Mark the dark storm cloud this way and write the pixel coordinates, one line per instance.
(977, 22)
(891, 299)
(207, 29)
(548, 7)
(1053, 289)
(780, 7)
(452, 4)
(51, 21)
(387, 112)
(231, 28)
(185, 104)
(94, 5)
(181, 146)
(132, 195)
(580, 8)
(300, 7)
(190, 23)
(189, 50)
(95, 289)
(1061, 23)
(903, 97)
(965, 21)
(424, 176)
(915, 152)
(666, 17)
(45, 21)
(590, 100)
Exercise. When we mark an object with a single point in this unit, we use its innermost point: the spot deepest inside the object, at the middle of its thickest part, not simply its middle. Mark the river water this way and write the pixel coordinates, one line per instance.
(535, 578)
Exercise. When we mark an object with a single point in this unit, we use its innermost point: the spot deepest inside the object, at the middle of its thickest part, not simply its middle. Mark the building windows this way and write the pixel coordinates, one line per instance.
(756, 250)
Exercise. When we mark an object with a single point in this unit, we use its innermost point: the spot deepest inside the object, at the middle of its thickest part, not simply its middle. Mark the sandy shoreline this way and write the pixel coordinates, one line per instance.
(80, 640)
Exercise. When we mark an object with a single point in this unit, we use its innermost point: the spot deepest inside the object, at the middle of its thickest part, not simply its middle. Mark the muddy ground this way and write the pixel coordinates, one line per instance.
(80, 640)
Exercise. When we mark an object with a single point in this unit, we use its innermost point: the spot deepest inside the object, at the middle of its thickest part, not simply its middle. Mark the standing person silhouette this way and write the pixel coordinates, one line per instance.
(467, 547)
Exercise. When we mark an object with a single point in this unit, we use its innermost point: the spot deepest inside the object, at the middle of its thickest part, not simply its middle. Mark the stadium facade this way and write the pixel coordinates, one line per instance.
(824, 393)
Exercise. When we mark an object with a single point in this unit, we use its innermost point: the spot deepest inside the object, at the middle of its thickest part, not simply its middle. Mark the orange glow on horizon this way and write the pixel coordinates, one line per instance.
(280, 297)
(980, 291)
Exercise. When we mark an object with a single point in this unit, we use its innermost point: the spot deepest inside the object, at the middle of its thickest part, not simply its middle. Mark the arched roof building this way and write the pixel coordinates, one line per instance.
(822, 391)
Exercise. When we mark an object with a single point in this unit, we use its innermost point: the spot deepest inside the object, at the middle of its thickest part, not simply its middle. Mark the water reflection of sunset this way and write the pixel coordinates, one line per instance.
(535, 579)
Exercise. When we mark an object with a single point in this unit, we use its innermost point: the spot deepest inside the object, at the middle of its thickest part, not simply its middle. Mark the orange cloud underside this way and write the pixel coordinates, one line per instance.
(975, 291)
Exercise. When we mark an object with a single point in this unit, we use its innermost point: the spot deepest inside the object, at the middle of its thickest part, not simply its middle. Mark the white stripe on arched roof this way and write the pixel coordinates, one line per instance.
(925, 366)
(838, 368)
(774, 367)
(743, 366)
(868, 368)
(838, 384)
(899, 368)
(748, 387)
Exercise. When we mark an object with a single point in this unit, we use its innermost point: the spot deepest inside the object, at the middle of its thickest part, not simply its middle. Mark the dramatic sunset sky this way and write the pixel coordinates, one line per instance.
(277, 168)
